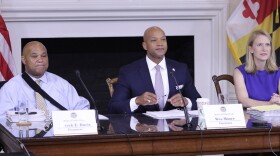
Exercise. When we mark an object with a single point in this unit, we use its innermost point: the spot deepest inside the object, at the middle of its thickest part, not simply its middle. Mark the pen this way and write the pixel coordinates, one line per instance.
(161, 97)
(30, 113)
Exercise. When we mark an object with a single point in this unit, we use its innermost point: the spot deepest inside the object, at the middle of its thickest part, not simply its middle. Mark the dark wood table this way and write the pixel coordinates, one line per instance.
(118, 138)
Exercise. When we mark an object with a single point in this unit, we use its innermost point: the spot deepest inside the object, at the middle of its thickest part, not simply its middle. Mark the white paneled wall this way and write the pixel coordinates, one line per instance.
(204, 19)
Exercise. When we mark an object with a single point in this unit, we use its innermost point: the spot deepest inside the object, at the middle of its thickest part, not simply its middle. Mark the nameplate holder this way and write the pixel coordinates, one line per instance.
(225, 116)
(74, 122)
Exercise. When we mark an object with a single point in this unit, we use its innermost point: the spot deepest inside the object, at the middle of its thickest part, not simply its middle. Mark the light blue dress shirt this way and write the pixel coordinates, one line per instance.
(17, 90)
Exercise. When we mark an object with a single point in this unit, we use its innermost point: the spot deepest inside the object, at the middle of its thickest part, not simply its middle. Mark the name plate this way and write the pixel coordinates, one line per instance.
(74, 122)
(224, 116)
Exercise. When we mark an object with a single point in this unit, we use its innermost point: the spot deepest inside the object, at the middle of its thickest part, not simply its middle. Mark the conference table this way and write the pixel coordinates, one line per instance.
(119, 137)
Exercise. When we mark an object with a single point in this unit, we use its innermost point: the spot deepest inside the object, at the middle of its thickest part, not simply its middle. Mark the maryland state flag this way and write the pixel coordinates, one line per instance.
(251, 15)
(7, 63)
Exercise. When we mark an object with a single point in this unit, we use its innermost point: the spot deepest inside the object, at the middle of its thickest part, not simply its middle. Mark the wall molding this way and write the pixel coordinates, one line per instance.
(205, 19)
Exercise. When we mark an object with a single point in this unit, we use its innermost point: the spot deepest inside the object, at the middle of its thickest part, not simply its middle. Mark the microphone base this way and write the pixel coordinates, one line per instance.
(188, 125)
(100, 128)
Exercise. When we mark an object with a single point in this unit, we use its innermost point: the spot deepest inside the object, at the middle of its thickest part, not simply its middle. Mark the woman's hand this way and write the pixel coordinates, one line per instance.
(275, 99)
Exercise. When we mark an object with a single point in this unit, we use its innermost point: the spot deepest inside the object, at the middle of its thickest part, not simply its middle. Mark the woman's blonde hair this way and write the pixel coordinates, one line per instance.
(250, 66)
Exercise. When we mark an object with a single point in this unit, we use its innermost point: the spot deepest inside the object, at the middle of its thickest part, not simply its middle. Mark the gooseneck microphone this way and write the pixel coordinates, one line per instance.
(188, 124)
(92, 100)
(22, 146)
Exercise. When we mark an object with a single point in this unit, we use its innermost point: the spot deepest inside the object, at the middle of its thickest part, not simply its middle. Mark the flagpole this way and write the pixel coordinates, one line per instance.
(0, 7)
(277, 14)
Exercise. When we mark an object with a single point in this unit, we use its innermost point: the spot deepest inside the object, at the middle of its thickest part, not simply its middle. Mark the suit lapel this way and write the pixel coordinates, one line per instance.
(145, 76)
(146, 83)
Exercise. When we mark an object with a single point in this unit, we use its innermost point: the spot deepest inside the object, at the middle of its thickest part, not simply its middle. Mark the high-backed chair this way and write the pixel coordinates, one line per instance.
(110, 83)
(216, 79)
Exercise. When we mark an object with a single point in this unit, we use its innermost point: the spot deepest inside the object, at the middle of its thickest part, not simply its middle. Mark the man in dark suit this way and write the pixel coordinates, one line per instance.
(135, 91)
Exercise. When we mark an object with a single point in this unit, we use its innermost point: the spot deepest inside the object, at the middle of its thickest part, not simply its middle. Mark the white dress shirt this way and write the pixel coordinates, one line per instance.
(17, 90)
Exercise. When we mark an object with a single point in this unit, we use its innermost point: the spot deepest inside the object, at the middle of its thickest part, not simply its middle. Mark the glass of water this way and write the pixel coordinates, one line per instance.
(22, 112)
(48, 116)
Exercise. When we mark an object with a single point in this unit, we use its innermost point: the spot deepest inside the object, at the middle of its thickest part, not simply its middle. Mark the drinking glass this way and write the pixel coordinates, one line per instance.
(48, 116)
(22, 112)
(200, 102)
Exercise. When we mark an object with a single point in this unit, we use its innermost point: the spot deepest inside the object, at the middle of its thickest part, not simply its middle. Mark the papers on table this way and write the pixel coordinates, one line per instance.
(269, 113)
(266, 108)
(35, 125)
(171, 114)
(102, 117)
(265, 111)
(34, 115)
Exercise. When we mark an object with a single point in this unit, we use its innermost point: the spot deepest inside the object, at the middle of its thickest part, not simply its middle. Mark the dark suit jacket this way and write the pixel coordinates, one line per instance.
(134, 79)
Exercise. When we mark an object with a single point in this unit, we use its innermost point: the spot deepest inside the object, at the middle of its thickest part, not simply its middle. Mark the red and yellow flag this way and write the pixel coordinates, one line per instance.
(7, 64)
(251, 15)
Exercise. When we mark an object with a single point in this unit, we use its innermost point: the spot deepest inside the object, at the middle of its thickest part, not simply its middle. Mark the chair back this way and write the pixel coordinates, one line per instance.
(110, 83)
(216, 79)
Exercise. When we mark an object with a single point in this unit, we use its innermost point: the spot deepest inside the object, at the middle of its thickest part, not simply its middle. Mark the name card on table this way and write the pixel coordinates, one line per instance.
(74, 122)
(224, 116)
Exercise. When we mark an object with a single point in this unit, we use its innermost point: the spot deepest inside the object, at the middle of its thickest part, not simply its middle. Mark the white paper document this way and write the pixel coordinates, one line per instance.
(266, 108)
(224, 116)
(171, 114)
(74, 122)
(34, 116)
(34, 125)
(270, 113)
(102, 117)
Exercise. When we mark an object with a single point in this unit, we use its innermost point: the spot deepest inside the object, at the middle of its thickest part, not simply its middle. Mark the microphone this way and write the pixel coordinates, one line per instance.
(100, 128)
(22, 146)
(188, 124)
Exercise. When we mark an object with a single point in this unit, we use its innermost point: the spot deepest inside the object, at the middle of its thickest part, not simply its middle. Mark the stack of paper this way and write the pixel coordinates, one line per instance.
(171, 114)
(34, 115)
(35, 125)
(266, 108)
(269, 113)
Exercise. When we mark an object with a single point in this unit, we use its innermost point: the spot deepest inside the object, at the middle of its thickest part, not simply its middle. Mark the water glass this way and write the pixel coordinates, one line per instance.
(200, 102)
(48, 116)
(22, 112)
